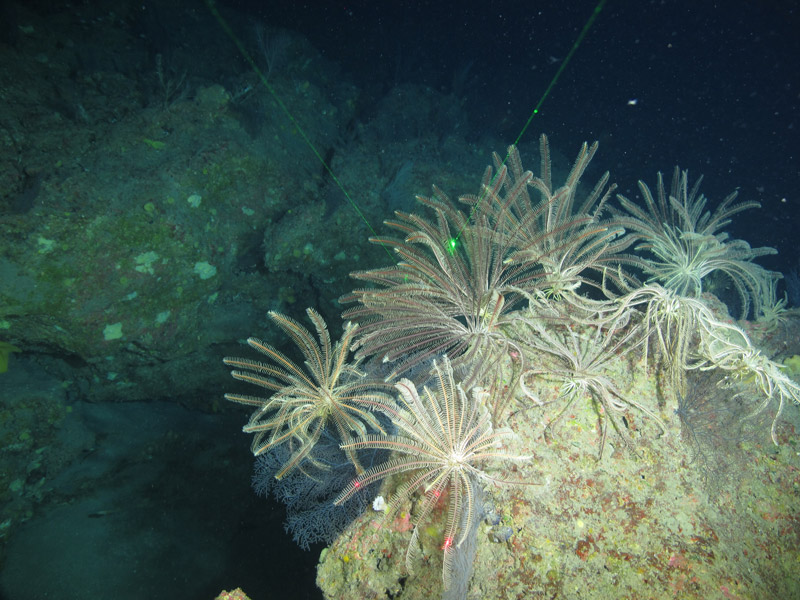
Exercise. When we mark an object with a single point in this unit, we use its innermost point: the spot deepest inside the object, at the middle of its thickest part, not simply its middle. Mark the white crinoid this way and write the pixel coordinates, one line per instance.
(444, 441)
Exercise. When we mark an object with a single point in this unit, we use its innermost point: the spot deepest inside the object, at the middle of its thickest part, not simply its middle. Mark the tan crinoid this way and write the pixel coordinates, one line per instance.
(450, 292)
(580, 356)
(463, 270)
(328, 391)
(557, 226)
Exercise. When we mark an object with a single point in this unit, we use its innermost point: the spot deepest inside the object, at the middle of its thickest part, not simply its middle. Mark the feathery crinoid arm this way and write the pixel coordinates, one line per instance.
(325, 392)
(681, 242)
(442, 446)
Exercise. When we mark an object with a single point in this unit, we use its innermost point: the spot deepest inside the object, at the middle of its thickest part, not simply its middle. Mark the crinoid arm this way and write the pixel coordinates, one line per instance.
(441, 449)
(681, 244)
(580, 356)
(327, 391)
(727, 347)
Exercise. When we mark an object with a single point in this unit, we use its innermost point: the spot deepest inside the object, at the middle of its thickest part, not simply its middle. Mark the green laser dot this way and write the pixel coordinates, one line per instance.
(452, 243)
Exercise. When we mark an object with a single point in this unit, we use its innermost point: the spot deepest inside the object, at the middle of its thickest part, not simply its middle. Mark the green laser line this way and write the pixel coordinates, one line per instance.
(561, 68)
(249, 59)
(453, 242)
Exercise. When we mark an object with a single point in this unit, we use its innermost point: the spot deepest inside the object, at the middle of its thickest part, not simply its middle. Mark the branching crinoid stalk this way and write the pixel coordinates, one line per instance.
(579, 356)
(685, 244)
(328, 391)
(501, 383)
(443, 442)
(727, 347)
(683, 326)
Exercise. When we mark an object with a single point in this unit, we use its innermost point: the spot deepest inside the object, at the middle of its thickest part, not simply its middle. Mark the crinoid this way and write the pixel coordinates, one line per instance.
(444, 441)
(773, 312)
(689, 336)
(452, 289)
(668, 326)
(727, 347)
(580, 356)
(461, 274)
(564, 233)
(328, 391)
(684, 242)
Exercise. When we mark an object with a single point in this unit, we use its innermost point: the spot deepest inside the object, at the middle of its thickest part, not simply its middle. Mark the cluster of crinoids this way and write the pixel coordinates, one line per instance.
(522, 269)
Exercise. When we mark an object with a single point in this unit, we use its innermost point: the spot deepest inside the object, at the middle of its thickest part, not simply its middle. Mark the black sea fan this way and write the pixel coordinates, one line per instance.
(308, 494)
(711, 414)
